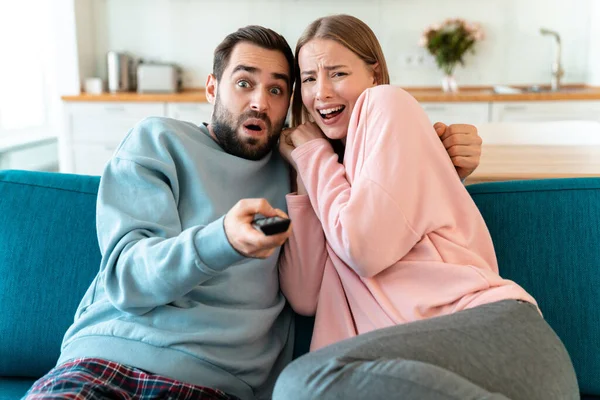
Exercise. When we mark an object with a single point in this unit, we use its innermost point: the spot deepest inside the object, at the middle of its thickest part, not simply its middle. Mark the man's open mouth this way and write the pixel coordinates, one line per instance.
(253, 127)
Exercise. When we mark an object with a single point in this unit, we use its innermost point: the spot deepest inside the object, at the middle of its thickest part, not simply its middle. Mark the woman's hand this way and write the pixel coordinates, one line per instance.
(286, 146)
(305, 133)
(295, 137)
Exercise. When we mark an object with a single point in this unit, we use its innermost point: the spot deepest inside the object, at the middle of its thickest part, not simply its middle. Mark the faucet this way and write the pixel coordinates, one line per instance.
(557, 69)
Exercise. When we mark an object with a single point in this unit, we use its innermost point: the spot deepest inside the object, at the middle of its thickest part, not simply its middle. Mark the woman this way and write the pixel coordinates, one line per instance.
(390, 252)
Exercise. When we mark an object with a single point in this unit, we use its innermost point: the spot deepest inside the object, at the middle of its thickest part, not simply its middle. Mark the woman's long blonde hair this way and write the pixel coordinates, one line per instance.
(351, 33)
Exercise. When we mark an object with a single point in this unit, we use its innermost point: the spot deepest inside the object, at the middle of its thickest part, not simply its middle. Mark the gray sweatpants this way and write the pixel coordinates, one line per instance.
(503, 350)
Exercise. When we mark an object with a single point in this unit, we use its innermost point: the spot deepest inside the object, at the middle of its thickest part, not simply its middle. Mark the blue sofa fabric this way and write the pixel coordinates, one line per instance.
(48, 256)
(547, 239)
(546, 234)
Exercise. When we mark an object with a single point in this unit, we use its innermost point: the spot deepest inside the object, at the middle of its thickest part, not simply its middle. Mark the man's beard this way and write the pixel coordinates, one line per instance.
(226, 132)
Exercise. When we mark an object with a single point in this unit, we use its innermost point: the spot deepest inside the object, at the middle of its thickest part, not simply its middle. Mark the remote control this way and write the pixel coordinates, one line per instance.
(271, 225)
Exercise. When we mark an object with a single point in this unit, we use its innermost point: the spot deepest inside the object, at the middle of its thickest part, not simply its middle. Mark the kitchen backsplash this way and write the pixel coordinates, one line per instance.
(187, 31)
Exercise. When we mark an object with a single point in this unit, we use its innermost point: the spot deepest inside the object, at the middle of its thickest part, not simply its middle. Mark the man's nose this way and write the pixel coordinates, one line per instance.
(259, 101)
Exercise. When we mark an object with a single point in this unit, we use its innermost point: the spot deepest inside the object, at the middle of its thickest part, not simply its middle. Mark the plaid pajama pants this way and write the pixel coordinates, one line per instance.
(93, 378)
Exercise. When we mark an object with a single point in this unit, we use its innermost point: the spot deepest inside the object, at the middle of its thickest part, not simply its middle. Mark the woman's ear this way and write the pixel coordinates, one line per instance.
(211, 88)
(376, 74)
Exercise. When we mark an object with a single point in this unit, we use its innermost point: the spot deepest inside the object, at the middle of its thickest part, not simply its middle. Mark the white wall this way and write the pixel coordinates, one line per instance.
(187, 31)
(594, 44)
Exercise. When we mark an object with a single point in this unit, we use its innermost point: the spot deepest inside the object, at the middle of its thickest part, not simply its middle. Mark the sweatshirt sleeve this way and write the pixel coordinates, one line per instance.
(303, 258)
(148, 260)
(374, 208)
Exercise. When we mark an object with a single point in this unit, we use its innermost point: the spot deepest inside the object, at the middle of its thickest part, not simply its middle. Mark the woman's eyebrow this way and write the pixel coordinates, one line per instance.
(327, 67)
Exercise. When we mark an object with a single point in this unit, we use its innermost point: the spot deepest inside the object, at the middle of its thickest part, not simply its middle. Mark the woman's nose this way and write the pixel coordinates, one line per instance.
(323, 89)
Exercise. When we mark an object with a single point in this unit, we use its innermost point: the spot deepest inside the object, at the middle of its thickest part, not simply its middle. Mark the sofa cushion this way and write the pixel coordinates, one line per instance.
(13, 388)
(547, 239)
(48, 257)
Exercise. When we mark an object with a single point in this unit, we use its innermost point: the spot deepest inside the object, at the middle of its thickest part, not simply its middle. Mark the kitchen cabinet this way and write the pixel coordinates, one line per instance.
(458, 113)
(196, 113)
(95, 129)
(545, 111)
(90, 159)
(559, 123)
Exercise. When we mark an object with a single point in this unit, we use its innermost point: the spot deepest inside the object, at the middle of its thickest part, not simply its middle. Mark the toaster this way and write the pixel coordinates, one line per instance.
(158, 78)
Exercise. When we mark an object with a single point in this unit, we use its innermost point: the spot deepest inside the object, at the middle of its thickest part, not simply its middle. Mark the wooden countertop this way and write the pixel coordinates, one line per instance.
(186, 96)
(517, 162)
(422, 94)
(487, 94)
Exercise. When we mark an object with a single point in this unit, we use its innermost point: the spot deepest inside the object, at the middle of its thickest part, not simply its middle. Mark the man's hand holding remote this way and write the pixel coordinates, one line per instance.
(243, 235)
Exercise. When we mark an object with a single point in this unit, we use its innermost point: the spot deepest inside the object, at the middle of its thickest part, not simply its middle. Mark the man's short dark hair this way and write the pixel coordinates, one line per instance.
(256, 35)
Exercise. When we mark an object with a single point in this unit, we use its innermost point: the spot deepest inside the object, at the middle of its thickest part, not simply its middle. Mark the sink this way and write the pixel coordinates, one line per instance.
(546, 89)
(501, 89)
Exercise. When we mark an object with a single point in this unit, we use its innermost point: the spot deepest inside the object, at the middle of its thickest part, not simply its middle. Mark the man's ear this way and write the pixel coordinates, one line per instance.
(211, 88)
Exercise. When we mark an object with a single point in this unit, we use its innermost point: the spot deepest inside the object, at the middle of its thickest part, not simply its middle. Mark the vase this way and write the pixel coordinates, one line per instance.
(449, 84)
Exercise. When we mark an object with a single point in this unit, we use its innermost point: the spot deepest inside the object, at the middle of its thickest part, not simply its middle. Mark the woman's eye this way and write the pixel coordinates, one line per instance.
(308, 80)
(336, 74)
(244, 84)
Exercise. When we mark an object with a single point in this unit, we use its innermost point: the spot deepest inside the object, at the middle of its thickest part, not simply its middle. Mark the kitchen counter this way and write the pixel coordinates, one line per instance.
(487, 94)
(186, 96)
(517, 162)
(422, 94)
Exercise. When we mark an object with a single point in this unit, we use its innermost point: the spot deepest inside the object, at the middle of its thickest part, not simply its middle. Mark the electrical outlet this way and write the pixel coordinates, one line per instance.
(406, 60)
(418, 60)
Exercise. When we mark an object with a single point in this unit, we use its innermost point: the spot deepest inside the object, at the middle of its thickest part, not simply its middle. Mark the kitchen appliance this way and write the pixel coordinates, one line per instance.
(121, 72)
(93, 85)
(158, 78)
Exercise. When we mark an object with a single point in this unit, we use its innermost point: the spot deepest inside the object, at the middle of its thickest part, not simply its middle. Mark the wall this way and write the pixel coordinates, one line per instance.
(186, 32)
(594, 44)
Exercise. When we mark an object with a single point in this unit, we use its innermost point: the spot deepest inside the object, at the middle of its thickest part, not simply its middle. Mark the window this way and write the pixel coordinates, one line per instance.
(25, 63)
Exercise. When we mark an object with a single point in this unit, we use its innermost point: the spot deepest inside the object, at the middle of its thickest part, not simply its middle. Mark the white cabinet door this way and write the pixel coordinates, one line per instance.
(457, 113)
(537, 111)
(99, 124)
(553, 133)
(90, 159)
(195, 113)
(108, 123)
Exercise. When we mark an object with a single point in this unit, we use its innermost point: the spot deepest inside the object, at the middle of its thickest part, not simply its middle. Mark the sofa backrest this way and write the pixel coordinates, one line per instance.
(546, 234)
(547, 239)
(48, 257)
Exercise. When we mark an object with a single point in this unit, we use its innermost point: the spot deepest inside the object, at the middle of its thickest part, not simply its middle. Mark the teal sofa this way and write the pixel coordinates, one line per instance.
(546, 233)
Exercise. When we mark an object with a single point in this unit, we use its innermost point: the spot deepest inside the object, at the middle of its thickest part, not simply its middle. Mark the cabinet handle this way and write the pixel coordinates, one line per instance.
(114, 108)
(515, 108)
(189, 107)
(435, 108)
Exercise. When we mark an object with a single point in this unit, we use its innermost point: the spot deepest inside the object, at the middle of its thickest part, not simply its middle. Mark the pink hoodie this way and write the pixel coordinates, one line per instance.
(392, 235)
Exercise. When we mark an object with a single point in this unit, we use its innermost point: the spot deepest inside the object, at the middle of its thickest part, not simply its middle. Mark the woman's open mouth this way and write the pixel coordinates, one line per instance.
(332, 114)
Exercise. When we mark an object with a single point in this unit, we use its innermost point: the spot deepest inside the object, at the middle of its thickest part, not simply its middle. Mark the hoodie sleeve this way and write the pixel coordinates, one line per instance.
(148, 260)
(375, 207)
(303, 258)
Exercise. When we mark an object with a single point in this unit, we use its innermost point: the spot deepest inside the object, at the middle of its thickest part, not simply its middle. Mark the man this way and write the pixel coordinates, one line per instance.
(187, 303)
